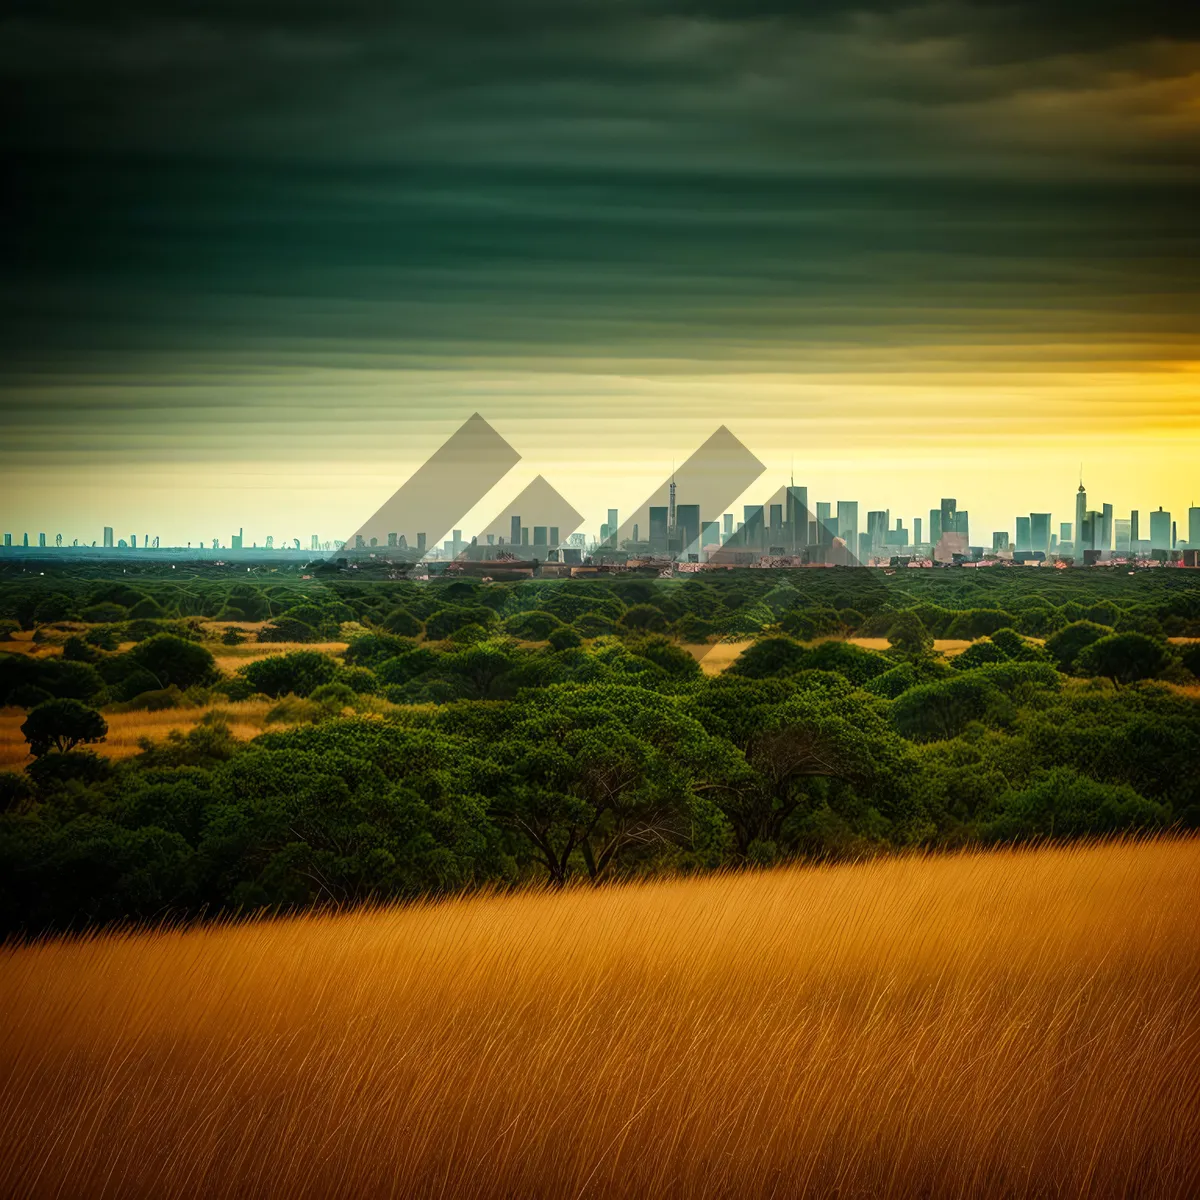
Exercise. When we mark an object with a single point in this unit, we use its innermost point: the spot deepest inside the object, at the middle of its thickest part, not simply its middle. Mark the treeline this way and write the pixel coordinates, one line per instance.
(949, 603)
(525, 740)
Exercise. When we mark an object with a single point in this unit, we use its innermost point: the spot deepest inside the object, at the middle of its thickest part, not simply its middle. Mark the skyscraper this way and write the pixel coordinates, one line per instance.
(1000, 540)
(1121, 535)
(1193, 528)
(949, 512)
(108, 541)
(916, 531)
(847, 523)
(1064, 532)
(752, 519)
(1135, 532)
(1039, 532)
(658, 529)
(877, 528)
(797, 516)
(1081, 543)
(1090, 538)
(1023, 536)
(1106, 520)
(687, 528)
(1160, 530)
(514, 535)
(613, 526)
(826, 523)
(935, 526)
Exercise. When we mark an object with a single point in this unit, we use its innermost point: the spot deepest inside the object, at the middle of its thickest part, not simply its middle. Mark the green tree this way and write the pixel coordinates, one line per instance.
(75, 649)
(662, 652)
(533, 626)
(62, 725)
(1189, 655)
(446, 621)
(176, 660)
(908, 635)
(299, 672)
(402, 623)
(1124, 657)
(1068, 643)
(69, 680)
(1063, 803)
(288, 629)
(979, 622)
(644, 618)
(771, 656)
(56, 607)
(932, 712)
(564, 638)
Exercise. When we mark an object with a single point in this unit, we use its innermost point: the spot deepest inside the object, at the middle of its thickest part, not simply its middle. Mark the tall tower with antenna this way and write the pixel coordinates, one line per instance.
(1080, 513)
(671, 503)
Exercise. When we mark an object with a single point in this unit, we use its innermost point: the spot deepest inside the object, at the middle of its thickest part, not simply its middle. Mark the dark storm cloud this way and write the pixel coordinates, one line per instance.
(672, 179)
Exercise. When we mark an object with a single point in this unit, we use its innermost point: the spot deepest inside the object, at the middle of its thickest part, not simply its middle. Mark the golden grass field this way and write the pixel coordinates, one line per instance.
(1008, 1024)
(248, 719)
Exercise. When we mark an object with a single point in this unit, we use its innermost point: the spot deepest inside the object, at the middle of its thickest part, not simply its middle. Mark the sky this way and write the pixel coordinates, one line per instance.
(262, 258)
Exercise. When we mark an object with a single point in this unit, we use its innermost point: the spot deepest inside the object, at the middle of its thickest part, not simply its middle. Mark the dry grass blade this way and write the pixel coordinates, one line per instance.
(1022, 1023)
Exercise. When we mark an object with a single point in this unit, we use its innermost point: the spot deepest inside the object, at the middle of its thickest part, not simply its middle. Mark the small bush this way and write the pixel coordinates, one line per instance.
(564, 638)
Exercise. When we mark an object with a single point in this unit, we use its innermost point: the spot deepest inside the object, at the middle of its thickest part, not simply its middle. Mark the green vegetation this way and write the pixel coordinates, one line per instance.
(477, 733)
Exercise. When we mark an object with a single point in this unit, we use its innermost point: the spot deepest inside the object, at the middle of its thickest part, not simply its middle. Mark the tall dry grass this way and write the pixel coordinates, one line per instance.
(1011, 1024)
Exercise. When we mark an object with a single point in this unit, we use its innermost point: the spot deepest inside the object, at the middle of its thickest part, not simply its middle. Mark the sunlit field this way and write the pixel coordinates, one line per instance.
(1021, 1023)
(247, 719)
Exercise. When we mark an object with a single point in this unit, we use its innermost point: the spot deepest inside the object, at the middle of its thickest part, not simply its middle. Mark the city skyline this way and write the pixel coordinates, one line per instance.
(878, 532)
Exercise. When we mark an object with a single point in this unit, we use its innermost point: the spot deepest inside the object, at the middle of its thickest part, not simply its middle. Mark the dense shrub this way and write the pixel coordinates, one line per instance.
(564, 638)
(1069, 642)
(447, 621)
(1124, 657)
(288, 629)
(643, 618)
(908, 635)
(299, 672)
(1063, 803)
(772, 656)
(533, 626)
(936, 711)
(402, 623)
(978, 622)
(175, 660)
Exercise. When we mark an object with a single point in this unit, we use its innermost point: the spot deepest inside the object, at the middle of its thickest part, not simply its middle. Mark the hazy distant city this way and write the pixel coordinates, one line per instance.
(783, 531)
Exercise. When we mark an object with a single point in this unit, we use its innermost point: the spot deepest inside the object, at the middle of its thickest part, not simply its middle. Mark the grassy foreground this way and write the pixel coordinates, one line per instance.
(1016, 1023)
